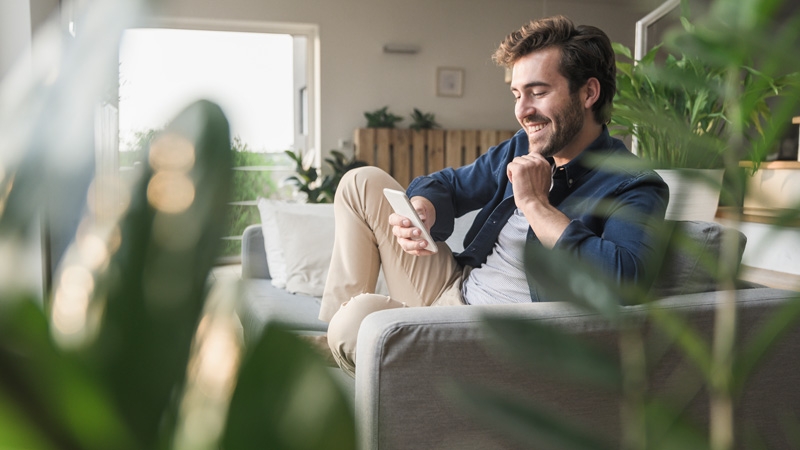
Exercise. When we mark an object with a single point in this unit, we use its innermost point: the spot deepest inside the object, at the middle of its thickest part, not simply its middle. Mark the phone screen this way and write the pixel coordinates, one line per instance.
(402, 205)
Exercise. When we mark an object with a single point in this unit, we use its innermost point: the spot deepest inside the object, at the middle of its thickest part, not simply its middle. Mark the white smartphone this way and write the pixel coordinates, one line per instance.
(402, 205)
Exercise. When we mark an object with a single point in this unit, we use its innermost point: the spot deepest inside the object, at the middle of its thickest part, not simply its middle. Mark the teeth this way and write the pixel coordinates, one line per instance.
(537, 127)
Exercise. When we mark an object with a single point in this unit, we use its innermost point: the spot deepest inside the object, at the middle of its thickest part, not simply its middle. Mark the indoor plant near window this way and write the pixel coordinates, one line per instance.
(307, 177)
(685, 123)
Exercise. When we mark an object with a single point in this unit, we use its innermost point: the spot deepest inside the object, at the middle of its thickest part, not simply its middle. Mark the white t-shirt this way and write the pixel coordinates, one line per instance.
(501, 279)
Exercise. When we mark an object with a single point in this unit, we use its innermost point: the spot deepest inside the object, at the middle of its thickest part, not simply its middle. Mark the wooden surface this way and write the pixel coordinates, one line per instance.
(769, 216)
(407, 154)
(771, 278)
(790, 165)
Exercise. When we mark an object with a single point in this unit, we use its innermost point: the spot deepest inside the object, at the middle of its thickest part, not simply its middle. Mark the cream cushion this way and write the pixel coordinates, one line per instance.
(298, 240)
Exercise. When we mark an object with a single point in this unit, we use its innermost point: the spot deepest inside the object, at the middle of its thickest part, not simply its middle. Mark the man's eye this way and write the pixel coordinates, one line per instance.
(538, 94)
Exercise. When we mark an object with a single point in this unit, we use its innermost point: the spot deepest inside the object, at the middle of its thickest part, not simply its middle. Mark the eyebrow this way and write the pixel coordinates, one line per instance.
(532, 84)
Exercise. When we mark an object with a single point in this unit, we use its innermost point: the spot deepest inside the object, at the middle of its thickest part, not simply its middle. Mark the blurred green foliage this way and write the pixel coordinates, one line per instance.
(129, 378)
(739, 54)
(675, 105)
(254, 176)
(307, 177)
(131, 346)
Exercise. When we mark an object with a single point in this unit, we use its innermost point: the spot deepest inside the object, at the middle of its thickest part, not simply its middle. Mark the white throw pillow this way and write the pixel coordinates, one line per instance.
(298, 238)
(275, 262)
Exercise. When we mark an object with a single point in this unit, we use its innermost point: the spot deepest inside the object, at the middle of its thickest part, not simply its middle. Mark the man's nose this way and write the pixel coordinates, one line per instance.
(525, 106)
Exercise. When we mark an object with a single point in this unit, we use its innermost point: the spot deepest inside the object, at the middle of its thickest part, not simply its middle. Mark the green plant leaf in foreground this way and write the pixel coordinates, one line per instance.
(669, 429)
(781, 322)
(286, 399)
(527, 423)
(153, 291)
(663, 423)
(561, 276)
(564, 355)
(47, 399)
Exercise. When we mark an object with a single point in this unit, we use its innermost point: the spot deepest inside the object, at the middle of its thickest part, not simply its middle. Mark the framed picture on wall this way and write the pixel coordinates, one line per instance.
(449, 82)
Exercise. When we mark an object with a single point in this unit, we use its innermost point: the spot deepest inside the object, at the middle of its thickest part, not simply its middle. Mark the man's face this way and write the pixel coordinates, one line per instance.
(550, 115)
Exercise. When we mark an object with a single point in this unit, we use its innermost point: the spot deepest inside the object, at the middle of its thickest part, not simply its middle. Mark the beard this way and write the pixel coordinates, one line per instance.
(566, 124)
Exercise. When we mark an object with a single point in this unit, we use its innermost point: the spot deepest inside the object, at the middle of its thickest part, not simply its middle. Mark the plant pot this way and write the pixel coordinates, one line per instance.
(693, 193)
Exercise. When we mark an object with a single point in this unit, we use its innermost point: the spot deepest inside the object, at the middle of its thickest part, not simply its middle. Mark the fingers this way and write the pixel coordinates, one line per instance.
(396, 220)
(531, 178)
(530, 167)
(408, 236)
(530, 162)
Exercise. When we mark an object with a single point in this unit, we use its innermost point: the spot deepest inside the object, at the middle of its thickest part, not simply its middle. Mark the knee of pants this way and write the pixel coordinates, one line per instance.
(358, 177)
(344, 325)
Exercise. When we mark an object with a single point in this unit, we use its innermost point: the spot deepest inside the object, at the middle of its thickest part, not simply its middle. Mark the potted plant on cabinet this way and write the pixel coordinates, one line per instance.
(682, 116)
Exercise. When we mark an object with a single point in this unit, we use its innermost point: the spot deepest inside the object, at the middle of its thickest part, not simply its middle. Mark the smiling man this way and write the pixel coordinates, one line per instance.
(551, 185)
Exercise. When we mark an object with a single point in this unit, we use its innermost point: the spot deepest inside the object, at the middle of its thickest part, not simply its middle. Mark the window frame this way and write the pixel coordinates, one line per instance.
(312, 109)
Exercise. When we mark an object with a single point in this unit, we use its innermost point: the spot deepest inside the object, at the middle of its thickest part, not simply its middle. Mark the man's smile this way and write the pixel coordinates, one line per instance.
(534, 127)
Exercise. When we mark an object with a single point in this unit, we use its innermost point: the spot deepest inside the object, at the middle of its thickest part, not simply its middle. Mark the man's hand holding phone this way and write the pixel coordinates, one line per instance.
(411, 222)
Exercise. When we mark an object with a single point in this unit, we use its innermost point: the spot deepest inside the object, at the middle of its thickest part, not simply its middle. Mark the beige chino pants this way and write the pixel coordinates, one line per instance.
(363, 244)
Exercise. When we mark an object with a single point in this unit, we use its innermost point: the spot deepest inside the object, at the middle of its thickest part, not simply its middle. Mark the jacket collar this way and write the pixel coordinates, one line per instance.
(587, 160)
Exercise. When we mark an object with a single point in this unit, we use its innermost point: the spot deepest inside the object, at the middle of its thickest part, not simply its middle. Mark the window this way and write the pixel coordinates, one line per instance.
(263, 77)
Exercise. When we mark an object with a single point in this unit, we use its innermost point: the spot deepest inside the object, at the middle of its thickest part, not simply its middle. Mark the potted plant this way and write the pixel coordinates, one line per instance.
(679, 110)
(423, 121)
(307, 176)
(382, 118)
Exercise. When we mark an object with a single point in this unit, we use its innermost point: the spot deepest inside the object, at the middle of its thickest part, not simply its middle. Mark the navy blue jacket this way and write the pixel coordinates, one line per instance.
(617, 238)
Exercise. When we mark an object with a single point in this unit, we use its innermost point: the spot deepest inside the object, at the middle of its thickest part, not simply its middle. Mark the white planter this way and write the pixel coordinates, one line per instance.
(775, 186)
(693, 193)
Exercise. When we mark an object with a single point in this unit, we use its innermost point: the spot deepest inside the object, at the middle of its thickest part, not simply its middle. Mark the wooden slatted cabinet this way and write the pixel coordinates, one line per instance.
(407, 154)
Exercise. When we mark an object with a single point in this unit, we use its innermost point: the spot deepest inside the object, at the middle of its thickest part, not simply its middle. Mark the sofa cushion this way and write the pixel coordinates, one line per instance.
(298, 239)
(692, 258)
(261, 302)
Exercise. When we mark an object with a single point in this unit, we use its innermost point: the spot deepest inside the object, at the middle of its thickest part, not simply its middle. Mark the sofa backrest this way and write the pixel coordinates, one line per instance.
(690, 264)
(693, 258)
(254, 255)
(399, 347)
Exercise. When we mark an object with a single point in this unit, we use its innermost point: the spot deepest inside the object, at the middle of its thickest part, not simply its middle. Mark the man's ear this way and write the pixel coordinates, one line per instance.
(591, 92)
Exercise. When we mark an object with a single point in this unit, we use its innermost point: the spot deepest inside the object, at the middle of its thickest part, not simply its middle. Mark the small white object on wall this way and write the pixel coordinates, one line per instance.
(449, 82)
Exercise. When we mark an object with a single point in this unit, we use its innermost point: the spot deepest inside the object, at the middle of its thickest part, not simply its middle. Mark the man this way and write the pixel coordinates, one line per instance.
(541, 187)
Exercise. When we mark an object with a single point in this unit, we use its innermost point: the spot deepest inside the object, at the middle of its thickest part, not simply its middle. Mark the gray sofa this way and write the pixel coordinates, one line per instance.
(408, 358)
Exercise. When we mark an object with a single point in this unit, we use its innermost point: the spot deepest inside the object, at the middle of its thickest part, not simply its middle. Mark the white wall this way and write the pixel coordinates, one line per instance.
(42, 10)
(770, 247)
(15, 32)
(356, 76)
(18, 21)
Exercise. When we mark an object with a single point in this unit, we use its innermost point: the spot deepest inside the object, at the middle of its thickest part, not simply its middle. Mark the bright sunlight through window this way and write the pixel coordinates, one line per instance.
(250, 75)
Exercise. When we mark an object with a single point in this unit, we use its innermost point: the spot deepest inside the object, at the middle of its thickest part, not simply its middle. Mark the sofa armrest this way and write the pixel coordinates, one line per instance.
(254, 255)
(406, 356)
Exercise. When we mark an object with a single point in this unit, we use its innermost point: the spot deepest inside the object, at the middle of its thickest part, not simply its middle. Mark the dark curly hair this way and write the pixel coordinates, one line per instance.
(585, 53)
